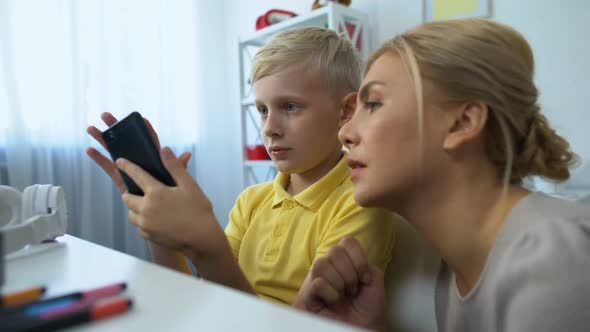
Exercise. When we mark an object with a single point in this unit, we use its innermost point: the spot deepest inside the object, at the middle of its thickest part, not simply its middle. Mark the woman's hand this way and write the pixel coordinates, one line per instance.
(342, 285)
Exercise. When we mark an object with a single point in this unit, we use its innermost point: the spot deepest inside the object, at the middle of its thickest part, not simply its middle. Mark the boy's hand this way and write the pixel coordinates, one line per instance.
(107, 165)
(178, 217)
(342, 285)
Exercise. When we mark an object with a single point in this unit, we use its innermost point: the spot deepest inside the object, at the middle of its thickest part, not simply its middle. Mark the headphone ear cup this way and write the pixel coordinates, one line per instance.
(42, 216)
(57, 204)
(10, 206)
(28, 201)
(41, 200)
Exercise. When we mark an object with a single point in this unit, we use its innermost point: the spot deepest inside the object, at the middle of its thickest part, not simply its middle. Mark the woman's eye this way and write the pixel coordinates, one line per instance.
(373, 105)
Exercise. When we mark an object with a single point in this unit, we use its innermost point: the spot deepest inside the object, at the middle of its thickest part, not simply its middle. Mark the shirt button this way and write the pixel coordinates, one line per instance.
(279, 232)
(288, 205)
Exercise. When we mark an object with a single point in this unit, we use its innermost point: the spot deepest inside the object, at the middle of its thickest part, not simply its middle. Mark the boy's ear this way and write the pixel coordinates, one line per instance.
(466, 124)
(347, 108)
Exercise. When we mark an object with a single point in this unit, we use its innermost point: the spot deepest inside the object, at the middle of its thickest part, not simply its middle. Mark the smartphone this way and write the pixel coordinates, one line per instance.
(130, 138)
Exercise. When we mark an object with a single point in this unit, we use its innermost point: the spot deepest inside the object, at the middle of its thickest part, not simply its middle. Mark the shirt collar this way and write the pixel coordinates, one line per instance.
(313, 196)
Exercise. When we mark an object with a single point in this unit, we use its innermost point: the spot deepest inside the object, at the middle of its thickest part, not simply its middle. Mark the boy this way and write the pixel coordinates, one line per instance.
(305, 82)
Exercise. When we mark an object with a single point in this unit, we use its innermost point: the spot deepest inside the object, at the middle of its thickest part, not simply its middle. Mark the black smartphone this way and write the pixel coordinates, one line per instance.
(130, 138)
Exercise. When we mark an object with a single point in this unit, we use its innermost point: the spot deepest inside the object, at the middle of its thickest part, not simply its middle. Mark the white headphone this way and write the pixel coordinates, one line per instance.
(36, 216)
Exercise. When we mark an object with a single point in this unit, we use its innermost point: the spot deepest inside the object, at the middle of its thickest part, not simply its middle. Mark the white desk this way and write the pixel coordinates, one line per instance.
(163, 300)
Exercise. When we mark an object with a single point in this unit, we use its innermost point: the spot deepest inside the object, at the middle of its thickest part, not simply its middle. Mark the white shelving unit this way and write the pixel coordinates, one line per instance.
(350, 22)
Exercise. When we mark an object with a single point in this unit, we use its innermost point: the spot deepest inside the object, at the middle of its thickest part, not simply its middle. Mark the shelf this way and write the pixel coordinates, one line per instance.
(259, 163)
(318, 17)
(259, 37)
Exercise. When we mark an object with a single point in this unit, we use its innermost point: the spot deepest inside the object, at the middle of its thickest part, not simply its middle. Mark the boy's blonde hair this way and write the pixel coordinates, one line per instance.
(333, 57)
(481, 60)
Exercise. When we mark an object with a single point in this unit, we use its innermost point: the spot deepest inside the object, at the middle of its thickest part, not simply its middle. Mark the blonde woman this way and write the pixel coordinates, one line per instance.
(446, 127)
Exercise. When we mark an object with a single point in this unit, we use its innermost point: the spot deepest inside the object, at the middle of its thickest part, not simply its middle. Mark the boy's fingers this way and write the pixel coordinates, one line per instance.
(152, 132)
(96, 134)
(142, 178)
(145, 235)
(105, 163)
(358, 257)
(184, 158)
(133, 218)
(108, 167)
(175, 167)
(133, 202)
(108, 118)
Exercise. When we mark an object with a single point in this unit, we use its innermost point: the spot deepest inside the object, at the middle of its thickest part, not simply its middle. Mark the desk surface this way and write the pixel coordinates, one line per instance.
(164, 300)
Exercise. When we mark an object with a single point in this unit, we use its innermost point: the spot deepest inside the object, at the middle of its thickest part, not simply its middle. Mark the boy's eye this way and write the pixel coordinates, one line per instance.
(372, 105)
(263, 110)
(291, 107)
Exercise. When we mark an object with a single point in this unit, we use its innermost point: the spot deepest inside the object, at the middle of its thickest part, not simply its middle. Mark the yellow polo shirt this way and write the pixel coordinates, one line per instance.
(276, 237)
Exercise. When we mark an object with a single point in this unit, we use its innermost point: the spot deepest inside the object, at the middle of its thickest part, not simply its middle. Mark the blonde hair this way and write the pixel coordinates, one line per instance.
(322, 50)
(481, 60)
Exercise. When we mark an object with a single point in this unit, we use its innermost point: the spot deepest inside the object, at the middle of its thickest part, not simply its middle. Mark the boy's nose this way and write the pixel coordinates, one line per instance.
(272, 126)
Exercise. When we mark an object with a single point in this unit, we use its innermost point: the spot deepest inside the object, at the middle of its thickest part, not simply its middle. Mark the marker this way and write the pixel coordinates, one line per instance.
(21, 297)
(65, 300)
(103, 291)
(69, 316)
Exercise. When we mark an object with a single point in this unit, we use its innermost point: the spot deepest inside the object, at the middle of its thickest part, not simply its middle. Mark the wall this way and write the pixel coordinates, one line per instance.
(557, 33)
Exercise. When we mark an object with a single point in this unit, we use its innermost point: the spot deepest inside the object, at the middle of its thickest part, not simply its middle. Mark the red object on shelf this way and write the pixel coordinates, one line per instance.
(256, 152)
(350, 29)
(273, 16)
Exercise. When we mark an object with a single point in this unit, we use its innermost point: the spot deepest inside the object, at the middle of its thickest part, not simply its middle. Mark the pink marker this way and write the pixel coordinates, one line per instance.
(104, 291)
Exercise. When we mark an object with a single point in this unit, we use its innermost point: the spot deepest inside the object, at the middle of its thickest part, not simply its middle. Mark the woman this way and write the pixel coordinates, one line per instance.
(446, 128)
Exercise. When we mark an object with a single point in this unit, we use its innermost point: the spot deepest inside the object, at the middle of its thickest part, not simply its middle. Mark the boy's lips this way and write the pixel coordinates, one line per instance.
(278, 151)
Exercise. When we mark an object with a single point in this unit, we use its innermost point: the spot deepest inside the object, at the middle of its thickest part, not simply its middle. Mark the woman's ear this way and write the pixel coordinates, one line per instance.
(347, 108)
(467, 124)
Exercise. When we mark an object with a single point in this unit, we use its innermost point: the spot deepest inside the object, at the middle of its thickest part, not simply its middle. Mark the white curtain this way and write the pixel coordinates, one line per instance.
(63, 63)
